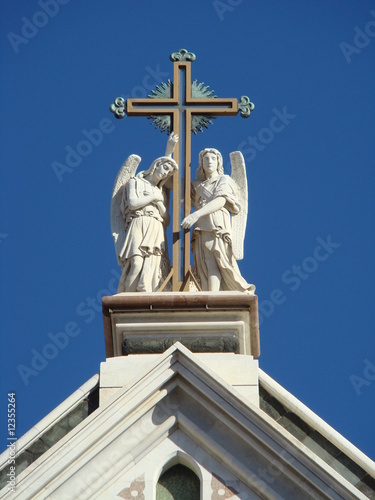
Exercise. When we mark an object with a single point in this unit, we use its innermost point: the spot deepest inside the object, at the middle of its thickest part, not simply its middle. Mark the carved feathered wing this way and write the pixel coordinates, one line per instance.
(127, 171)
(239, 183)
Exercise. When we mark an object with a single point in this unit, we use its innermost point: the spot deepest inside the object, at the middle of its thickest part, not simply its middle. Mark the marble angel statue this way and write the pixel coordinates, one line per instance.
(219, 222)
(139, 216)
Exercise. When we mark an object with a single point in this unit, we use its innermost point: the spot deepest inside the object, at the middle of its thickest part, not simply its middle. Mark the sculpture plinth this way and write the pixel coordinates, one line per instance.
(221, 329)
(145, 322)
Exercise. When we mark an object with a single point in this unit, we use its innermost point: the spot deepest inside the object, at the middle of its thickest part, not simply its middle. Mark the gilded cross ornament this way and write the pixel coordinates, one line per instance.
(182, 107)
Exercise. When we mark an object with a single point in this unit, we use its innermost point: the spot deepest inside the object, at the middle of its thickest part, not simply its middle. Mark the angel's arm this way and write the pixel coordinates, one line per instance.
(211, 207)
(171, 144)
(135, 202)
(163, 211)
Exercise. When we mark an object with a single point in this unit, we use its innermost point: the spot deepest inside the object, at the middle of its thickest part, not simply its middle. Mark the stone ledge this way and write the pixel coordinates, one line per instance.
(176, 310)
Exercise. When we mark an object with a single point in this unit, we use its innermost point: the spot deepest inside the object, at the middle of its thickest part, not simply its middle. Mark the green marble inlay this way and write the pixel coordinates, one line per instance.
(156, 345)
(54, 434)
(317, 443)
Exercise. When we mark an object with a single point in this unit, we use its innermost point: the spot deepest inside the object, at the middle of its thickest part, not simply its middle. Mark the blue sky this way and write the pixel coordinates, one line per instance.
(310, 237)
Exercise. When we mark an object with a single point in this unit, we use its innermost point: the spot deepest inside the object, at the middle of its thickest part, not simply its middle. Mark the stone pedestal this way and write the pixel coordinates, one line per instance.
(221, 329)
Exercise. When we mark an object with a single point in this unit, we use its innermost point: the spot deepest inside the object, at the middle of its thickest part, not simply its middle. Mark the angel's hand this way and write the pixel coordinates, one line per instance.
(158, 194)
(189, 221)
(162, 211)
(173, 138)
(171, 143)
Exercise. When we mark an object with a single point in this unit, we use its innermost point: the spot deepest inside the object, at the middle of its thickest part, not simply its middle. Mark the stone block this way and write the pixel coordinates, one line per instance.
(147, 323)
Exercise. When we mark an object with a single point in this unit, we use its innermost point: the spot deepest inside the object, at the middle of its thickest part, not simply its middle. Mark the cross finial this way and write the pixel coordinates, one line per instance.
(182, 55)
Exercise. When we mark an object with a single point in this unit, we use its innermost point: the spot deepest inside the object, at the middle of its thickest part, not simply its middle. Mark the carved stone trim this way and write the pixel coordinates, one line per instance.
(157, 345)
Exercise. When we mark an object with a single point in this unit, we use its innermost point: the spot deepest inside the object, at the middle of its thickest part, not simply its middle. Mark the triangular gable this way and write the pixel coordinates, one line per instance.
(177, 402)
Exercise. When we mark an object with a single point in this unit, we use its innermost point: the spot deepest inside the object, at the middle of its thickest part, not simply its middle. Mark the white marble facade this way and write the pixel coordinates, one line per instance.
(178, 410)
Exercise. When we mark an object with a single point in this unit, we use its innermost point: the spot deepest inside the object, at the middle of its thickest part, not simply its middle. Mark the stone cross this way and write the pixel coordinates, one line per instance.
(182, 107)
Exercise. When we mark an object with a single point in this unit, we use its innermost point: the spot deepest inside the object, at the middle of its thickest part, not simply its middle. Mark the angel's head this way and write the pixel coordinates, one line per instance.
(210, 162)
(161, 169)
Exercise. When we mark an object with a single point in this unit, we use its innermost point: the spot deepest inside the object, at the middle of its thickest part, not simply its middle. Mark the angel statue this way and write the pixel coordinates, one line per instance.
(219, 222)
(139, 216)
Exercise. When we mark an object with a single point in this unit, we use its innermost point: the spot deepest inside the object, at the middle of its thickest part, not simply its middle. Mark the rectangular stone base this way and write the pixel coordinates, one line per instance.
(205, 322)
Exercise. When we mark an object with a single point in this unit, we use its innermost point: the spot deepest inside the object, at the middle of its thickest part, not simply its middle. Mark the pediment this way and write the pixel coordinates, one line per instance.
(180, 408)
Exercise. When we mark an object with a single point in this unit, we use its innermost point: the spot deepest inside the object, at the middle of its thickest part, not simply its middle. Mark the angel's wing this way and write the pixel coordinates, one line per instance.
(239, 183)
(127, 171)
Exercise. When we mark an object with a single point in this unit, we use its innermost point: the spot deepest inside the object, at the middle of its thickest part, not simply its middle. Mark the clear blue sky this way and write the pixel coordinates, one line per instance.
(311, 180)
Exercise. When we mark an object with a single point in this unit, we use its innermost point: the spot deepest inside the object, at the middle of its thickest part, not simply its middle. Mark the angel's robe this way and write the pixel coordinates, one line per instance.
(144, 235)
(212, 235)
